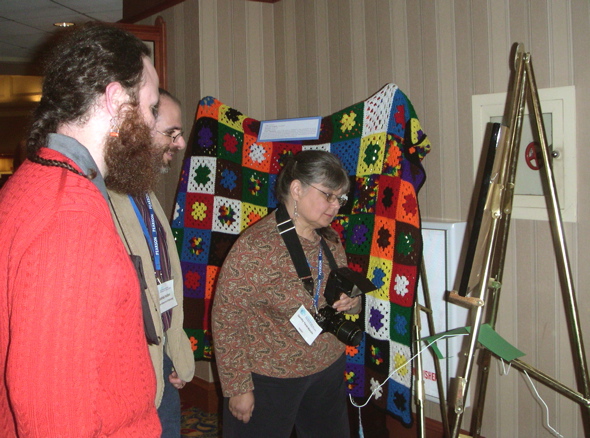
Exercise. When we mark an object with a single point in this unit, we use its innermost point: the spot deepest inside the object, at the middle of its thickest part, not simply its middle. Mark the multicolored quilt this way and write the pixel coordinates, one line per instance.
(226, 185)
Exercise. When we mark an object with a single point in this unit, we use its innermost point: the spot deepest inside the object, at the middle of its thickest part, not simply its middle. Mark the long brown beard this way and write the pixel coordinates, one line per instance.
(133, 161)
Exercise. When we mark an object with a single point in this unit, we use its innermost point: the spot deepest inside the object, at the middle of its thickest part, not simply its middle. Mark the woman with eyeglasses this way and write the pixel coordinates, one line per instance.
(278, 369)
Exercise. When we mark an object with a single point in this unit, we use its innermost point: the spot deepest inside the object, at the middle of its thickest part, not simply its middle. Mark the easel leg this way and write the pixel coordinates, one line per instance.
(431, 331)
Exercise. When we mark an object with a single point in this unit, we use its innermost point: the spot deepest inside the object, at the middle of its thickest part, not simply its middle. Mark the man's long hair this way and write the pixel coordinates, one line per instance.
(80, 65)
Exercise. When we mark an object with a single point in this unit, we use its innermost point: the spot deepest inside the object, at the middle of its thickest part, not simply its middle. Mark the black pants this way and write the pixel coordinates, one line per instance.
(315, 405)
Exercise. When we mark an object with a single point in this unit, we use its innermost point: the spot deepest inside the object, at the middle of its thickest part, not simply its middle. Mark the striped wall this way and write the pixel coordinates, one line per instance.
(300, 58)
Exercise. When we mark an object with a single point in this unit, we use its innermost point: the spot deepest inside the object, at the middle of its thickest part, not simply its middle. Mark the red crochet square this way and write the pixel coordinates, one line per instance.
(403, 284)
(198, 212)
(387, 196)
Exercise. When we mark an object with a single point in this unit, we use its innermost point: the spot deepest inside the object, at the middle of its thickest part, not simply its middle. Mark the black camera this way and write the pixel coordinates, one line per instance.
(353, 284)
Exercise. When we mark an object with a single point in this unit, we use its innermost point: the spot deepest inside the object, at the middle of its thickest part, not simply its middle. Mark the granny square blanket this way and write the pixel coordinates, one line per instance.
(226, 185)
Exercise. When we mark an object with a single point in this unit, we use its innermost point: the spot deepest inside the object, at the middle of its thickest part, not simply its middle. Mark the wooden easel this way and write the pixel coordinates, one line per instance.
(488, 248)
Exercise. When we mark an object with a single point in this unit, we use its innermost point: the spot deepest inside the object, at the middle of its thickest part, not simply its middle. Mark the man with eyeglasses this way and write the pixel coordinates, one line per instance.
(169, 133)
(145, 231)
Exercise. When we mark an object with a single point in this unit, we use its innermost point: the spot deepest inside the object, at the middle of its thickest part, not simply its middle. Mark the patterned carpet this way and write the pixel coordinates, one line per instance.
(196, 423)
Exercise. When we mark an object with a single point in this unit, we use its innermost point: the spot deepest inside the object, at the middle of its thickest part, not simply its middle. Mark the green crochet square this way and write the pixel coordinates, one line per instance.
(230, 144)
(255, 187)
(400, 324)
(358, 234)
(348, 123)
(178, 234)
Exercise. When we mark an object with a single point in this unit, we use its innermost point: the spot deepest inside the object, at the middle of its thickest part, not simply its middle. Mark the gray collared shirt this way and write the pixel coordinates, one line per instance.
(75, 151)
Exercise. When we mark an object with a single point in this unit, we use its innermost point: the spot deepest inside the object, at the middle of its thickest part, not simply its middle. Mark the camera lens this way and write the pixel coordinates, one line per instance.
(349, 333)
(337, 324)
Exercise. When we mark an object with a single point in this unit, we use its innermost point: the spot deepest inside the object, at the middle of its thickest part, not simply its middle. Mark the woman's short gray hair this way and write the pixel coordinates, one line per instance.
(312, 167)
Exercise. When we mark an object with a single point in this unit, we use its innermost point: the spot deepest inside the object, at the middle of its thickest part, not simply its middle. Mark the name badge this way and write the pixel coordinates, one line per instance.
(167, 298)
(306, 325)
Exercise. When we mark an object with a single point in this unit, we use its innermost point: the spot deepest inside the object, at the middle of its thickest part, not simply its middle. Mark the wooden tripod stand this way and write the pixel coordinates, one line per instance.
(486, 254)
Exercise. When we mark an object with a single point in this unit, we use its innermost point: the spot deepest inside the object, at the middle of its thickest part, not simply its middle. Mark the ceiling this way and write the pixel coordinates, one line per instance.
(26, 24)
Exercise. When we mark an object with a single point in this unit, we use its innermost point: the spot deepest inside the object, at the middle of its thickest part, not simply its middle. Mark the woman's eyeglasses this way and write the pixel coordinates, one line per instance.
(331, 197)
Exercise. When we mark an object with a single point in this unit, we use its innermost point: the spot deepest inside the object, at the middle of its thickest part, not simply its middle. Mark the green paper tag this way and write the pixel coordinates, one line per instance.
(487, 337)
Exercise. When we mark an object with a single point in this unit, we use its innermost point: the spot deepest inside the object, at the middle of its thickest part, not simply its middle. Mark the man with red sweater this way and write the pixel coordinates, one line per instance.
(74, 360)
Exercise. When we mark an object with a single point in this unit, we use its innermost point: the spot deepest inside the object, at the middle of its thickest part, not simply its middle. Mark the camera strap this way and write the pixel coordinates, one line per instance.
(289, 234)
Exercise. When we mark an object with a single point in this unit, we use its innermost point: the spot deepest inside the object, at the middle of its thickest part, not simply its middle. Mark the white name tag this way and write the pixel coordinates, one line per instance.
(306, 325)
(167, 298)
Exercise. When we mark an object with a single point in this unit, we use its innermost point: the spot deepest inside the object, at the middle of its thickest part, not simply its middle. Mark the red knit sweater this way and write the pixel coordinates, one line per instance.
(73, 356)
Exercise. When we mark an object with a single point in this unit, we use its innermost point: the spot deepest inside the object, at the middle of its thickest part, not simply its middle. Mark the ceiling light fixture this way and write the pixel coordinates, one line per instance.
(63, 24)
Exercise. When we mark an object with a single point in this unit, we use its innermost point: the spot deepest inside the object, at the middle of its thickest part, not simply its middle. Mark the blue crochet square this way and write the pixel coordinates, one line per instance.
(273, 202)
(195, 246)
(348, 152)
(355, 379)
(356, 354)
(398, 401)
(400, 114)
(178, 214)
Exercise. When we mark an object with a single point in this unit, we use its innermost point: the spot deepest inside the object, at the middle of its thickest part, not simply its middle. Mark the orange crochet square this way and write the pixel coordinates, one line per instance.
(212, 274)
(383, 238)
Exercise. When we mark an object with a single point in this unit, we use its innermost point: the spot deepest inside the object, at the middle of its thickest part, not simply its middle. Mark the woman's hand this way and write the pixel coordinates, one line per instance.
(241, 406)
(348, 305)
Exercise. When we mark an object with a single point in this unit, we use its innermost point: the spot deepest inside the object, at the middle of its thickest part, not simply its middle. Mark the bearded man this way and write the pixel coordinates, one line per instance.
(73, 357)
(144, 228)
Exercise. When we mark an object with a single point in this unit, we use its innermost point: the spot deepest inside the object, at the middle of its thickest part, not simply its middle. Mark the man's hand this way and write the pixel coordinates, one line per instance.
(176, 381)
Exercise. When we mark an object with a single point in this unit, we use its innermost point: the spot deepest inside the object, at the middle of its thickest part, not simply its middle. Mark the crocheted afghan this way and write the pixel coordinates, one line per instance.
(226, 185)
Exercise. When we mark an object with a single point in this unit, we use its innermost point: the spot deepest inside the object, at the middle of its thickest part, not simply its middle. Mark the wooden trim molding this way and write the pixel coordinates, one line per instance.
(136, 10)
(155, 36)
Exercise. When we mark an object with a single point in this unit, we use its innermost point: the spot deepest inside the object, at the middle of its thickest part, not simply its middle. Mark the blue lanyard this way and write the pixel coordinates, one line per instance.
(318, 284)
(152, 239)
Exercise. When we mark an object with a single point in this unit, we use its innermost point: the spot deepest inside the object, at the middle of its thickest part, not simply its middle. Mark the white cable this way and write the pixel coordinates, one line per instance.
(399, 368)
(546, 410)
(546, 424)
(505, 371)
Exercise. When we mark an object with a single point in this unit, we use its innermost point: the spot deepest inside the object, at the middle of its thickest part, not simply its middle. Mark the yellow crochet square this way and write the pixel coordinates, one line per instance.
(231, 117)
(379, 273)
(251, 214)
(416, 129)
(371, 154)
